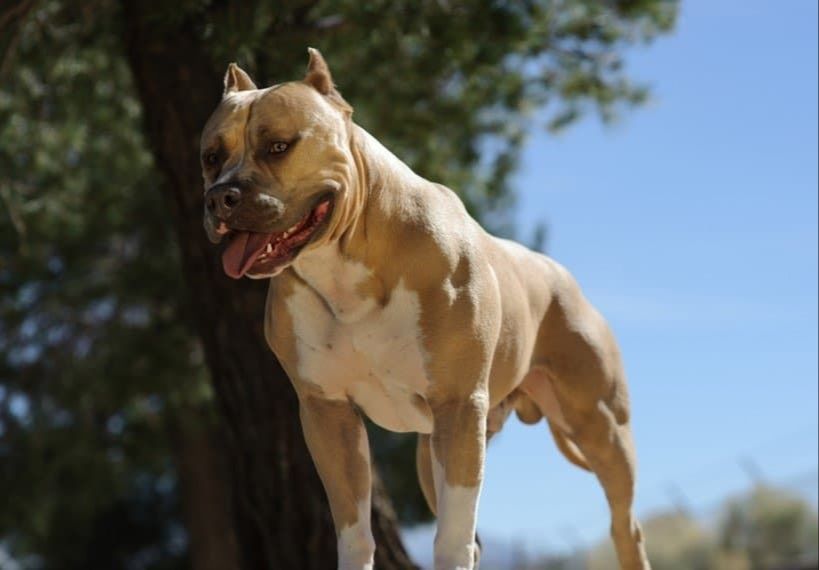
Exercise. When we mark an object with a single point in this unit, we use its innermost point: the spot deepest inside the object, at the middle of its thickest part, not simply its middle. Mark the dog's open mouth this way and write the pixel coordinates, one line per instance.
(257, 253)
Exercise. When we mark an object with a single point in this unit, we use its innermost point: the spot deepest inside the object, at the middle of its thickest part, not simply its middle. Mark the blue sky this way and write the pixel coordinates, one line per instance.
(692, 225)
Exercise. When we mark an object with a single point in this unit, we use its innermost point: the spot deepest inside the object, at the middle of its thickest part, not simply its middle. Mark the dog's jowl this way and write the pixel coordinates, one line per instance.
(386, 298)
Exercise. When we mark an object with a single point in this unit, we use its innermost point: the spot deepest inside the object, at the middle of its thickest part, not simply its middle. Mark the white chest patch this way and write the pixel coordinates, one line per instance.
(355, 349)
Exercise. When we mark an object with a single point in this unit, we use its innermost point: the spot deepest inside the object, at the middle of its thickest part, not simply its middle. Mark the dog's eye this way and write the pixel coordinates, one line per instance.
(212, 158)
(278, 147)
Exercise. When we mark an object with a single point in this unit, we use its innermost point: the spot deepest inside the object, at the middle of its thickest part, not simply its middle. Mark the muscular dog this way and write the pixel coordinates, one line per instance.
(387, 298)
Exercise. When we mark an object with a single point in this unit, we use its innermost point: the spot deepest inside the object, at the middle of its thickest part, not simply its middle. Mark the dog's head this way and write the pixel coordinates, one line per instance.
(276, 164)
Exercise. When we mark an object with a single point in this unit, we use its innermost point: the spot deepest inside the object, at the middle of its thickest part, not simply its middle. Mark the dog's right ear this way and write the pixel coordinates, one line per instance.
(237, 80)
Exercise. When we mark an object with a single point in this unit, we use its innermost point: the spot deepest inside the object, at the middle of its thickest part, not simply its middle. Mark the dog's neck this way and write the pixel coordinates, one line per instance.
(379, 170)
(347, 262)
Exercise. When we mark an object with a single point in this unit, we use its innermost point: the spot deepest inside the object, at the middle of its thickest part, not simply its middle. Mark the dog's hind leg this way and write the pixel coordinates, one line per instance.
(538, 399)
(568, 448)
(609, 452)
(601, 442)
(588, 387)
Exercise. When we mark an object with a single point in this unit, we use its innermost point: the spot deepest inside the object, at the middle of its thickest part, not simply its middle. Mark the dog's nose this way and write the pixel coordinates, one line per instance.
(222, 200)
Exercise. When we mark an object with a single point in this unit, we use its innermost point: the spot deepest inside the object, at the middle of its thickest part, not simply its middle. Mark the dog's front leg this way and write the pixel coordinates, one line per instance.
(337, 441)
(458, 450)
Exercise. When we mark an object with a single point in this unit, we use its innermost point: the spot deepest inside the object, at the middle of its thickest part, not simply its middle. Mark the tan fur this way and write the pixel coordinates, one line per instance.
(237, 80)
(490, 325)
(329, 427)
(423, 465)
(568, 448)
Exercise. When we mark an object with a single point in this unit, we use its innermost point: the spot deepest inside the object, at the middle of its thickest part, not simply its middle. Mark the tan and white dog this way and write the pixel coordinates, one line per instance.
(387, 298)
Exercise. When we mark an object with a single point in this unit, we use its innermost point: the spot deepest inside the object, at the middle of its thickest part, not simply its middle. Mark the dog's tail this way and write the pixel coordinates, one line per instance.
(568, 448)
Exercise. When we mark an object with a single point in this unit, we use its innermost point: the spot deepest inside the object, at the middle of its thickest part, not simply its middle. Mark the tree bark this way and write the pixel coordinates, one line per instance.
(203, 476)
(280, 515)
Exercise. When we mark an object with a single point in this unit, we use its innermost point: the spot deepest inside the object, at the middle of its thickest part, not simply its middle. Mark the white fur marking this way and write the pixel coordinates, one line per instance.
(457, 520)
(352, 348)
(337, 280)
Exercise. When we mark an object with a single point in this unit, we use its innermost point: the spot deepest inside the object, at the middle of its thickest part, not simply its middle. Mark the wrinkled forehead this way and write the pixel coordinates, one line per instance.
(282, 110)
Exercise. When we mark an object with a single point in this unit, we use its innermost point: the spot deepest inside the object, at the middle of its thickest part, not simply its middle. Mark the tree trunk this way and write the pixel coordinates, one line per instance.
(203, 476)
(281, 518)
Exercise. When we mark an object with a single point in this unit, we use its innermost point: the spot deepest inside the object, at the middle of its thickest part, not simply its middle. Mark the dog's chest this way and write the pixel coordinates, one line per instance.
(352, 347)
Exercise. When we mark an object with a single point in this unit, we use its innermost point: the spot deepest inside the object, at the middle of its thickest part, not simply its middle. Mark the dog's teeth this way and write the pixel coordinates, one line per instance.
(269, 248)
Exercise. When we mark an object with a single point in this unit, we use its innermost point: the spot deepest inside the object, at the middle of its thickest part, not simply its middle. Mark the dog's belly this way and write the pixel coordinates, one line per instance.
(376, 361)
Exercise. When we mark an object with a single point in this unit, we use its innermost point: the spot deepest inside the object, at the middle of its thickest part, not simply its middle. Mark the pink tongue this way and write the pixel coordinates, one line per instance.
(242, 251)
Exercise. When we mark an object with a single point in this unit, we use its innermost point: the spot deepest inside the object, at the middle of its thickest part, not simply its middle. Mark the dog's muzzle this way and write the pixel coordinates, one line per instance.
(234, 206)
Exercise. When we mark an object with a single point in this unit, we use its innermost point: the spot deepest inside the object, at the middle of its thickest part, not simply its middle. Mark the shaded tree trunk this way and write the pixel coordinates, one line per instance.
(280, 515)
(203, 476)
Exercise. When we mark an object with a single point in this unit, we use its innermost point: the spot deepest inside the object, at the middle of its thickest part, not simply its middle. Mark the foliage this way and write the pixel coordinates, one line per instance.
(756, 531)
(770, 527)
(451, 87)
(92, 344)
(97, 356)
(674, 541)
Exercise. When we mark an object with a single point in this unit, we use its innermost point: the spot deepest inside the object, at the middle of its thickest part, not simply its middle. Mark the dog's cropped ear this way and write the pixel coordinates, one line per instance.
(237, 80)
(319, 78)
(318, 74)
